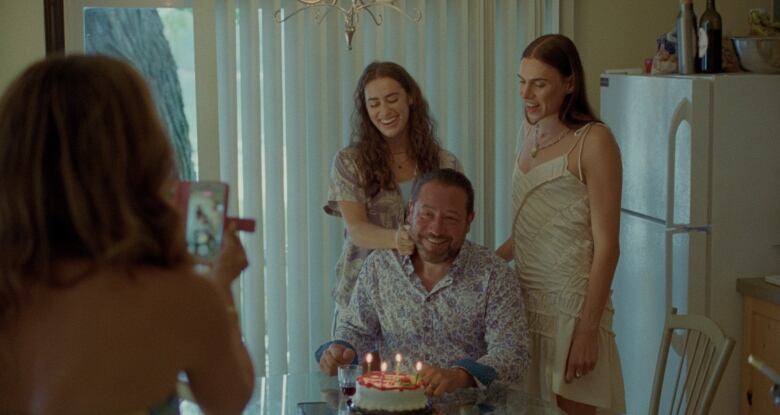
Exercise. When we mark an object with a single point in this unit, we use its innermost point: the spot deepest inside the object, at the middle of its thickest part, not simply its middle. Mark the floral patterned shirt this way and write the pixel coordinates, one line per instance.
(385, 209)
(473, 318)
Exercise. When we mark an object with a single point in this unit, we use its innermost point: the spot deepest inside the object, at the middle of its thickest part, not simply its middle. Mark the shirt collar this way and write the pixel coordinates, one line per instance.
(459, 263)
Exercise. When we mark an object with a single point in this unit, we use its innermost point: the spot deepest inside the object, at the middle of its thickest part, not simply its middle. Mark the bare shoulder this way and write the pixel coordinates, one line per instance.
(193, 289)
(192, 306)
(600, 135)
(182, 280)
(186, 297)
(600, 154)
(600, 145)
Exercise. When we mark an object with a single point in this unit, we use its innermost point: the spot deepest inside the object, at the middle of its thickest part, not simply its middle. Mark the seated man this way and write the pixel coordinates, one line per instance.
(452, 304)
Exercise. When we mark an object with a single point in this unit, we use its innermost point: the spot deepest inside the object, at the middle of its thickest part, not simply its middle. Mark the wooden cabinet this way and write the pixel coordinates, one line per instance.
(760, 337)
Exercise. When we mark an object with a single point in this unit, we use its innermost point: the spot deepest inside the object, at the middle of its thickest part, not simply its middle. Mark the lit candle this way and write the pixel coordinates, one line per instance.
(418, 368)
(369, 359)
(383, 367)
(398, 368)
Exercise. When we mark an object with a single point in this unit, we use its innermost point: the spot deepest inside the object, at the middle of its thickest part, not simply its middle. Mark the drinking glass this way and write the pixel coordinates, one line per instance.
(348, 375)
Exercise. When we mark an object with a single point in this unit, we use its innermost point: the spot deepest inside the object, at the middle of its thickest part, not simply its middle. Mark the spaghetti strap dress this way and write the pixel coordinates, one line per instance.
(553, 252)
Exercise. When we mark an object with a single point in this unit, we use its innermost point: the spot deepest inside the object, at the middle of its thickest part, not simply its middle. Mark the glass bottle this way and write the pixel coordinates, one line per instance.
(686, 38)
(710, 39)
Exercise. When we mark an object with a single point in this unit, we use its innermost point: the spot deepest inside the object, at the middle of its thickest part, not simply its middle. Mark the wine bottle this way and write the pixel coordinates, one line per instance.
(686, 38)
(710, 38)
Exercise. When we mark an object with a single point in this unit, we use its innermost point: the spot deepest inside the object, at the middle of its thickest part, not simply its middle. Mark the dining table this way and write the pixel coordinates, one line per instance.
(314, 393)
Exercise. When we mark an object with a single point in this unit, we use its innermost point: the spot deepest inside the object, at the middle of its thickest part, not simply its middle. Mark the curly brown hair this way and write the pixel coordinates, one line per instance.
(87, 173)
(373, 151)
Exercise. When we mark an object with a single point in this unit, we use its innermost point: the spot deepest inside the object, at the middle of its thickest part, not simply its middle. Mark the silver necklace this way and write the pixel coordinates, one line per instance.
(536, 147)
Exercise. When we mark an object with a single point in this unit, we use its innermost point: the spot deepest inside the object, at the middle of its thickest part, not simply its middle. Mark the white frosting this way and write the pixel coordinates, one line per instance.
(388, 392)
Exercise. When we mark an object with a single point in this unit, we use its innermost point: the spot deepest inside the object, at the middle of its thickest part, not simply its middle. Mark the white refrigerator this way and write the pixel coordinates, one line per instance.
(700, 208)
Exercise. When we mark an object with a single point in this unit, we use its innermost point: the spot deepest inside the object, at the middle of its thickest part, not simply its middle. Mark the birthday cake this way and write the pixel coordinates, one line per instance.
(389, 392)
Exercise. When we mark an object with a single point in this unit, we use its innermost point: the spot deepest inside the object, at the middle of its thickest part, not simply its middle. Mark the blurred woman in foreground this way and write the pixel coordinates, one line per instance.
(99, 307)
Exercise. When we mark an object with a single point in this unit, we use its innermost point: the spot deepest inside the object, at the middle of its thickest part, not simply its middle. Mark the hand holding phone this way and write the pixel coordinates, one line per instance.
(231, 260)
(204, 205)
(206, 209)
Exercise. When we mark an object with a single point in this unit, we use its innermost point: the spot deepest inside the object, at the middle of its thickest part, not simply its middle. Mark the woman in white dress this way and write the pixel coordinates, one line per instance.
(566, 212)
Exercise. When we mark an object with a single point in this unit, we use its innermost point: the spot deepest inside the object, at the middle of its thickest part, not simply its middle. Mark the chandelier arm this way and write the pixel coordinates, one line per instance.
(351, 14)
(376, 17)
(417, 13)
(278, 13)
(318, 18)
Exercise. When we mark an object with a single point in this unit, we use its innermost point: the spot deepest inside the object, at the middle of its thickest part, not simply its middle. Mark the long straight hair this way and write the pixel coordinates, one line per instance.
(559, 52)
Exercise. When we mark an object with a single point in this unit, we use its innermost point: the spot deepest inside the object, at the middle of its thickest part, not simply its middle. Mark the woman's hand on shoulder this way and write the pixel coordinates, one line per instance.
(403, 241)
(366, 234)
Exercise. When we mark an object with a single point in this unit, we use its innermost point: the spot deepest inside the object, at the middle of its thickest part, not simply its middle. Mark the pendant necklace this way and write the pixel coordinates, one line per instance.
(400, 164)
(536, 147)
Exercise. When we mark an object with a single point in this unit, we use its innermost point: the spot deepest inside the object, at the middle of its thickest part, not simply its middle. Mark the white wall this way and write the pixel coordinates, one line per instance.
(621, 34)
(22, 37)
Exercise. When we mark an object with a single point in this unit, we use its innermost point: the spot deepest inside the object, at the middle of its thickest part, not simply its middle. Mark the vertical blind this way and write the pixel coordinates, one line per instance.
(274, 107)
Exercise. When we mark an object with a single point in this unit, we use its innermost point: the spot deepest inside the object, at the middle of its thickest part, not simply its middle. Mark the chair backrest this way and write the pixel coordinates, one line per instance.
(698, 359)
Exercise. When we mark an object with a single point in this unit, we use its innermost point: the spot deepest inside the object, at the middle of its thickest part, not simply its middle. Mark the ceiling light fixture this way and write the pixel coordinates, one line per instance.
(351, 14)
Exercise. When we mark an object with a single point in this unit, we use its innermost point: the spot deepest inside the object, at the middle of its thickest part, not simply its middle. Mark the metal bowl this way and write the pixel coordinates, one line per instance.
(758, 54)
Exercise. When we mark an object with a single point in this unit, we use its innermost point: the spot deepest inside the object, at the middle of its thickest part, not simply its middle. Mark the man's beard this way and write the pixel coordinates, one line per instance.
(437, 257)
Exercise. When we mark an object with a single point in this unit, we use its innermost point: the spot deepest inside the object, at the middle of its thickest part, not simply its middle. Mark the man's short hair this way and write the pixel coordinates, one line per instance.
(448, 177)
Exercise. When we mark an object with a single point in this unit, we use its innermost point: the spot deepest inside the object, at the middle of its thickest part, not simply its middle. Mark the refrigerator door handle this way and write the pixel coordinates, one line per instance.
(681, 112)
(687, 228)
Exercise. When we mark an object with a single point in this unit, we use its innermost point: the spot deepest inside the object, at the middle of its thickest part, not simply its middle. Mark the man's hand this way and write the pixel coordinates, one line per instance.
(438, 381)
(334, 356)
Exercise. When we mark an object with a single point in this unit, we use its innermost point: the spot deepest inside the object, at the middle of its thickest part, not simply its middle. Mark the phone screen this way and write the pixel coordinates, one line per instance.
(205, 218)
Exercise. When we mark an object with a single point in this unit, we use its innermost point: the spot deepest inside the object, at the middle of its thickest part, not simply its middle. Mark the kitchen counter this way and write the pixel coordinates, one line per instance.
(758, 288)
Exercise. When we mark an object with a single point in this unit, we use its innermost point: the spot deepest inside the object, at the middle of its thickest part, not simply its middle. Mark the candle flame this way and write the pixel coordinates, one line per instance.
(383, 366)
(418, 366)
(398, 357)
(369, 358)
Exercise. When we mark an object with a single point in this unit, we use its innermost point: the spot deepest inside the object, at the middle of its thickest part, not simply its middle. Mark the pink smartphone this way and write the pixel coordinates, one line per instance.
(205, 206)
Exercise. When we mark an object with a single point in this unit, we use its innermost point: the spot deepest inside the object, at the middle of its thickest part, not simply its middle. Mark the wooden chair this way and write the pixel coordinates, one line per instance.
(697, 351)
